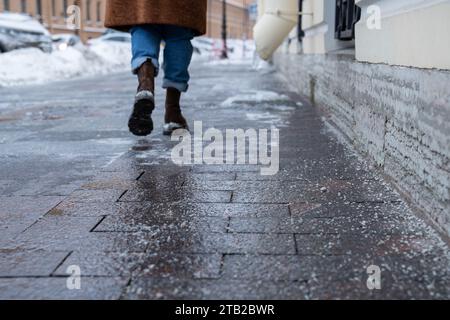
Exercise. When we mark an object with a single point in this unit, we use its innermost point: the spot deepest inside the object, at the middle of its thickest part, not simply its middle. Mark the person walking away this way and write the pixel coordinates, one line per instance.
(151, 22)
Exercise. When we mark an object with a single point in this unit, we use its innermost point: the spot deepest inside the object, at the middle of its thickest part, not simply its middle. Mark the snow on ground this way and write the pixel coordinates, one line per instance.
(239, 52)
(32, 66)
(262, 66)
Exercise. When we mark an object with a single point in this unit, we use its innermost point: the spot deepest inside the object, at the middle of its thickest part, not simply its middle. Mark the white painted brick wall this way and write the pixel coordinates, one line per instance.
(398, 116)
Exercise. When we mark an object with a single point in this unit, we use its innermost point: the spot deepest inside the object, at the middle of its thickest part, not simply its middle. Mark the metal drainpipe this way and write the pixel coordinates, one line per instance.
(278, 20)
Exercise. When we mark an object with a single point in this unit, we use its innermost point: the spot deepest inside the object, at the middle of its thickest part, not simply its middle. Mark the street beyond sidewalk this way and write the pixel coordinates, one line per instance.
(78, 192)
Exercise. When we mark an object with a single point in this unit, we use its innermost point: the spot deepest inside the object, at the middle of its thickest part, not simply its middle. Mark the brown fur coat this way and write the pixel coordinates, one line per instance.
(123, 14)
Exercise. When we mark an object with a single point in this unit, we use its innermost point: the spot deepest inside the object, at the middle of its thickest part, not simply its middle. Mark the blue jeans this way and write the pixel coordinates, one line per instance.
(146, 44)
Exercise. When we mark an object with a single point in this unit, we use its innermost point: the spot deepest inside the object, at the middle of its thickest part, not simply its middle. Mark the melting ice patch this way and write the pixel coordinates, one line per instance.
(254, 96)
(113, 158)
(113, 141)
(275, 119)
(283, 108)
(227, 62)
(154, 156)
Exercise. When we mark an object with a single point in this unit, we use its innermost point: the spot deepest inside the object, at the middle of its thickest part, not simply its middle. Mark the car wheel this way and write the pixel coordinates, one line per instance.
(2, 50)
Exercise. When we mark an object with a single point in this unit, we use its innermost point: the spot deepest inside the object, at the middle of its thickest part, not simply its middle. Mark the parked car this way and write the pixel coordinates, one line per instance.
(22, 31)
(112, 36)
(63, 41)
(109, 31)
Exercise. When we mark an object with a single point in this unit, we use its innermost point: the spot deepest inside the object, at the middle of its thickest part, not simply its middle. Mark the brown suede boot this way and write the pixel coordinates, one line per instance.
(140, 122)
(173, 118)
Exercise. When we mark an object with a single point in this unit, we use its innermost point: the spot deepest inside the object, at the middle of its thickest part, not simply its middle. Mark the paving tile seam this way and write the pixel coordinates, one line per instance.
(60, 276)
(102, 218)
(175, 202)
(225, 232)
(315, 201)
(69, 200)
(140, 175)
(61, 263)
(121, 195)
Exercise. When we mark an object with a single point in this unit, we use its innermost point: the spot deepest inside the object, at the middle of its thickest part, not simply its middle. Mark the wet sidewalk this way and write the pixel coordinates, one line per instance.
(143, 227)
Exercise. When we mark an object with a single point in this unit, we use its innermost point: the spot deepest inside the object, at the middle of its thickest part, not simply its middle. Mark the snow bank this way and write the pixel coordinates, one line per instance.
(32, 66)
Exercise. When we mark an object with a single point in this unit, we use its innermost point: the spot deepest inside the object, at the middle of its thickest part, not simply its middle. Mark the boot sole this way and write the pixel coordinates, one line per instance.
(140, 122)
(168, 132)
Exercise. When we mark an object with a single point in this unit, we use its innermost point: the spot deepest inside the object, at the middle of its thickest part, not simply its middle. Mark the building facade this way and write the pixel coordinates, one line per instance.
(239, 24)
(53, 14)
(379, 71)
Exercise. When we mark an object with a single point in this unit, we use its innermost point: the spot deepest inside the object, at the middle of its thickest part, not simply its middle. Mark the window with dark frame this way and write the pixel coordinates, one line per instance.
(6, 5)
(99, 11)
(301, 33)
(65, 6)
(23, 6)
(39, 7)
(347, 15)
(88, 10)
